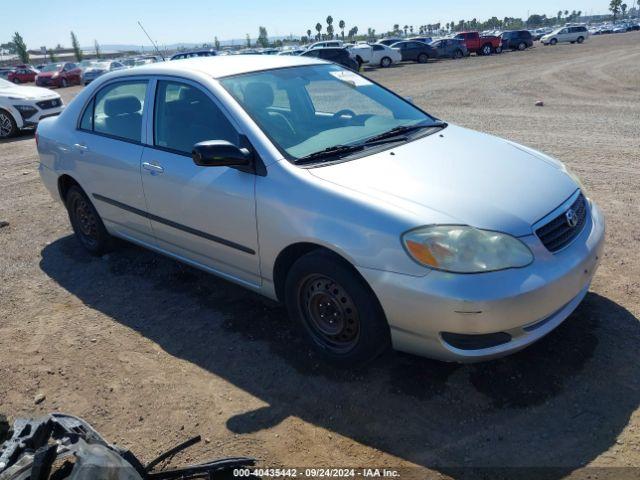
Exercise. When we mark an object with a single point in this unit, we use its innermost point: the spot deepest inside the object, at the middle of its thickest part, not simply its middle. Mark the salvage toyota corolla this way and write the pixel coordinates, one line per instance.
(375, 223)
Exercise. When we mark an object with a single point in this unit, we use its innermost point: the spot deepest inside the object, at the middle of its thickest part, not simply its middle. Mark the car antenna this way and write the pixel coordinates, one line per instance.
(152, 42)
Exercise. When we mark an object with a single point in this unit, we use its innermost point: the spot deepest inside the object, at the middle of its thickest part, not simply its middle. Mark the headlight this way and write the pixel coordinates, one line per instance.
(464, 249)
(55, 75)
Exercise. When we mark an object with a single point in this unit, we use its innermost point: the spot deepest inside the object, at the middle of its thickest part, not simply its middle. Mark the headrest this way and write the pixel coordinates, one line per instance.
(258, 95)
(190, 95)
(121, 104)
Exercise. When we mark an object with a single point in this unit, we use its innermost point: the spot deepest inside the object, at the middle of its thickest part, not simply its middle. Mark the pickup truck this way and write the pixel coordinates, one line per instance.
(480, 45)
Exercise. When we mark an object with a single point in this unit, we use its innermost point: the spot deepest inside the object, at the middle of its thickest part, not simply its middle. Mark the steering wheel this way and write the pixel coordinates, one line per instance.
(345, 112)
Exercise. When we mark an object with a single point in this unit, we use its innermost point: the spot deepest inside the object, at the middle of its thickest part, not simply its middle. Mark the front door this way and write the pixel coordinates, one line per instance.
(205, 215)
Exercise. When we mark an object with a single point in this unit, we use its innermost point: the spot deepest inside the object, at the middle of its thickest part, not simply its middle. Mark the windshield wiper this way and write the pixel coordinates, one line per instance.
(332, 152)
(403, 130)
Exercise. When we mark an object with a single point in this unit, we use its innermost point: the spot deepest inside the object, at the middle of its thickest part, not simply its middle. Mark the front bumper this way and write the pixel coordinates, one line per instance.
(524, 303)
(32, 120)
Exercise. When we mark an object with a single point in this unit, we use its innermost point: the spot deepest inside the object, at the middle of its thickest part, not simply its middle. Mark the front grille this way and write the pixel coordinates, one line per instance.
(46, 104)
(560, 231)
(44, 81)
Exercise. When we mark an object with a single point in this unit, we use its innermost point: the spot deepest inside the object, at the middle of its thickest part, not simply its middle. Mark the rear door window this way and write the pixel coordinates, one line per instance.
(118, 110)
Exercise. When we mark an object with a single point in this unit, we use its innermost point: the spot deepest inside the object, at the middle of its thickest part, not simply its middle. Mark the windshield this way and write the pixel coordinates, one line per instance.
(53, 67)
(305, 110)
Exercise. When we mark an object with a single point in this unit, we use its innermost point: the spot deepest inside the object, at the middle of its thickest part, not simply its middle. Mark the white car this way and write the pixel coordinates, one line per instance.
(327, 44)
(376, 54)
(23, 107)
(577, 34)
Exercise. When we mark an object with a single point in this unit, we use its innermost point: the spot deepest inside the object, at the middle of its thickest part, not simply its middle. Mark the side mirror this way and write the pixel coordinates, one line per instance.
(220, 153)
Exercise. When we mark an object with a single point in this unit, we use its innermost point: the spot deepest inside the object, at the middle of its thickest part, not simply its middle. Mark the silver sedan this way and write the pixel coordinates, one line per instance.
(377, 224)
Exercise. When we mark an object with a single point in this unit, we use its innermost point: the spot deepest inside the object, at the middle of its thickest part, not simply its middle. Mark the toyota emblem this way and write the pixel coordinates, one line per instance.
(571, 217)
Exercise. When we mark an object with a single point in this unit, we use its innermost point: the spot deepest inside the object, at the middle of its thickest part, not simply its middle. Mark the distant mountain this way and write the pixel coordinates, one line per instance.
(120, 47)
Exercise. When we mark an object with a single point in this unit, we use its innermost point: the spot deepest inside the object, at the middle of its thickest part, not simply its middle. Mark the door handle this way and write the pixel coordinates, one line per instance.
(152, 167)
(81, 147)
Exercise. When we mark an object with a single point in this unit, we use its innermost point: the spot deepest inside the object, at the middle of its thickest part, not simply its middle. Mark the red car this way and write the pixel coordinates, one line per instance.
(22, 75)
(59, 75)
(479, 44)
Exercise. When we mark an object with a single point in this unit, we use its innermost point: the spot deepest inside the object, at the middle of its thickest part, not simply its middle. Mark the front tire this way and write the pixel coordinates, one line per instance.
(457, 55)
(64, 83)
(580, 40)
(553, 41)
(16, 81)
(486, 49)
(385, 62)
(86, 223)
(8, 126)
(337, 312)
(423, 58)
(522, 46)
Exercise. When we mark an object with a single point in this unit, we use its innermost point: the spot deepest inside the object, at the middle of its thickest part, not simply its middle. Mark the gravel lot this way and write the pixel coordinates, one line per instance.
(152, 352)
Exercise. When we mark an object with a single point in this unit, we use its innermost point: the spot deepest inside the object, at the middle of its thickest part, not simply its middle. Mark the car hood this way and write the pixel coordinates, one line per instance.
(47, 74)
(460, 176)
(28, 92)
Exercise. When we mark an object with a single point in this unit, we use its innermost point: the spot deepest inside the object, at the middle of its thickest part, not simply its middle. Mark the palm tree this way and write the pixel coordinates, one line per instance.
(411, 29)
(405, 28)
(319, 29)
(341, 24)
(330, 27)
(309, 35)
(614, 7)
(396, 28)
(623, 7)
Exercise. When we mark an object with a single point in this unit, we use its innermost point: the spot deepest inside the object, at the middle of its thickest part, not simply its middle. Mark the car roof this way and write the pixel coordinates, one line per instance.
(223, 65)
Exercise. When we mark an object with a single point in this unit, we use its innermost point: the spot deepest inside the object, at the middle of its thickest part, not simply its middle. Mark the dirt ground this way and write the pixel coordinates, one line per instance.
(152, 352)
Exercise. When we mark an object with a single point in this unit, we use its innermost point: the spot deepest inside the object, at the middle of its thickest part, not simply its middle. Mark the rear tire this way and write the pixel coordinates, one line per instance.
(522, 46)
(337, 312)
(423, 58)
(385, 62)
(86, 223)
(64, 83)
(8, 126)
(457, 55)
(16, 80)
(486, 49)
(580, 39)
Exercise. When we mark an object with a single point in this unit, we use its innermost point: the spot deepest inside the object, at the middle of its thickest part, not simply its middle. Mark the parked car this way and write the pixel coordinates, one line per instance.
(23, 107)
(341, 56)
(426, 40)
(414, 51)
(480, 45)
(450, 48)
(390, 41)
(59, 75)
(295, 51)
(100, 68)
(566, 34)
(374, 221)
(326, 44)
(538, 33)
(208, 52)
(376, 54)
(517, 40)
(4, 71)
(22, 75)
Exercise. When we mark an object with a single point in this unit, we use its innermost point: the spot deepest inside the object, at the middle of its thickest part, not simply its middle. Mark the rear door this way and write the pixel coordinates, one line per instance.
(205, 215)
(107, 151)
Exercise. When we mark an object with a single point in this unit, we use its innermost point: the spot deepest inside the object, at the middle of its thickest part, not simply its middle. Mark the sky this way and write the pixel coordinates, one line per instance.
(47, 23)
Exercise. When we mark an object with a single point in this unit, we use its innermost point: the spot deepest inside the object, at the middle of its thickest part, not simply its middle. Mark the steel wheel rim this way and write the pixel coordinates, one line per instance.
(5, 125)
(86, 222)
(329, 313)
